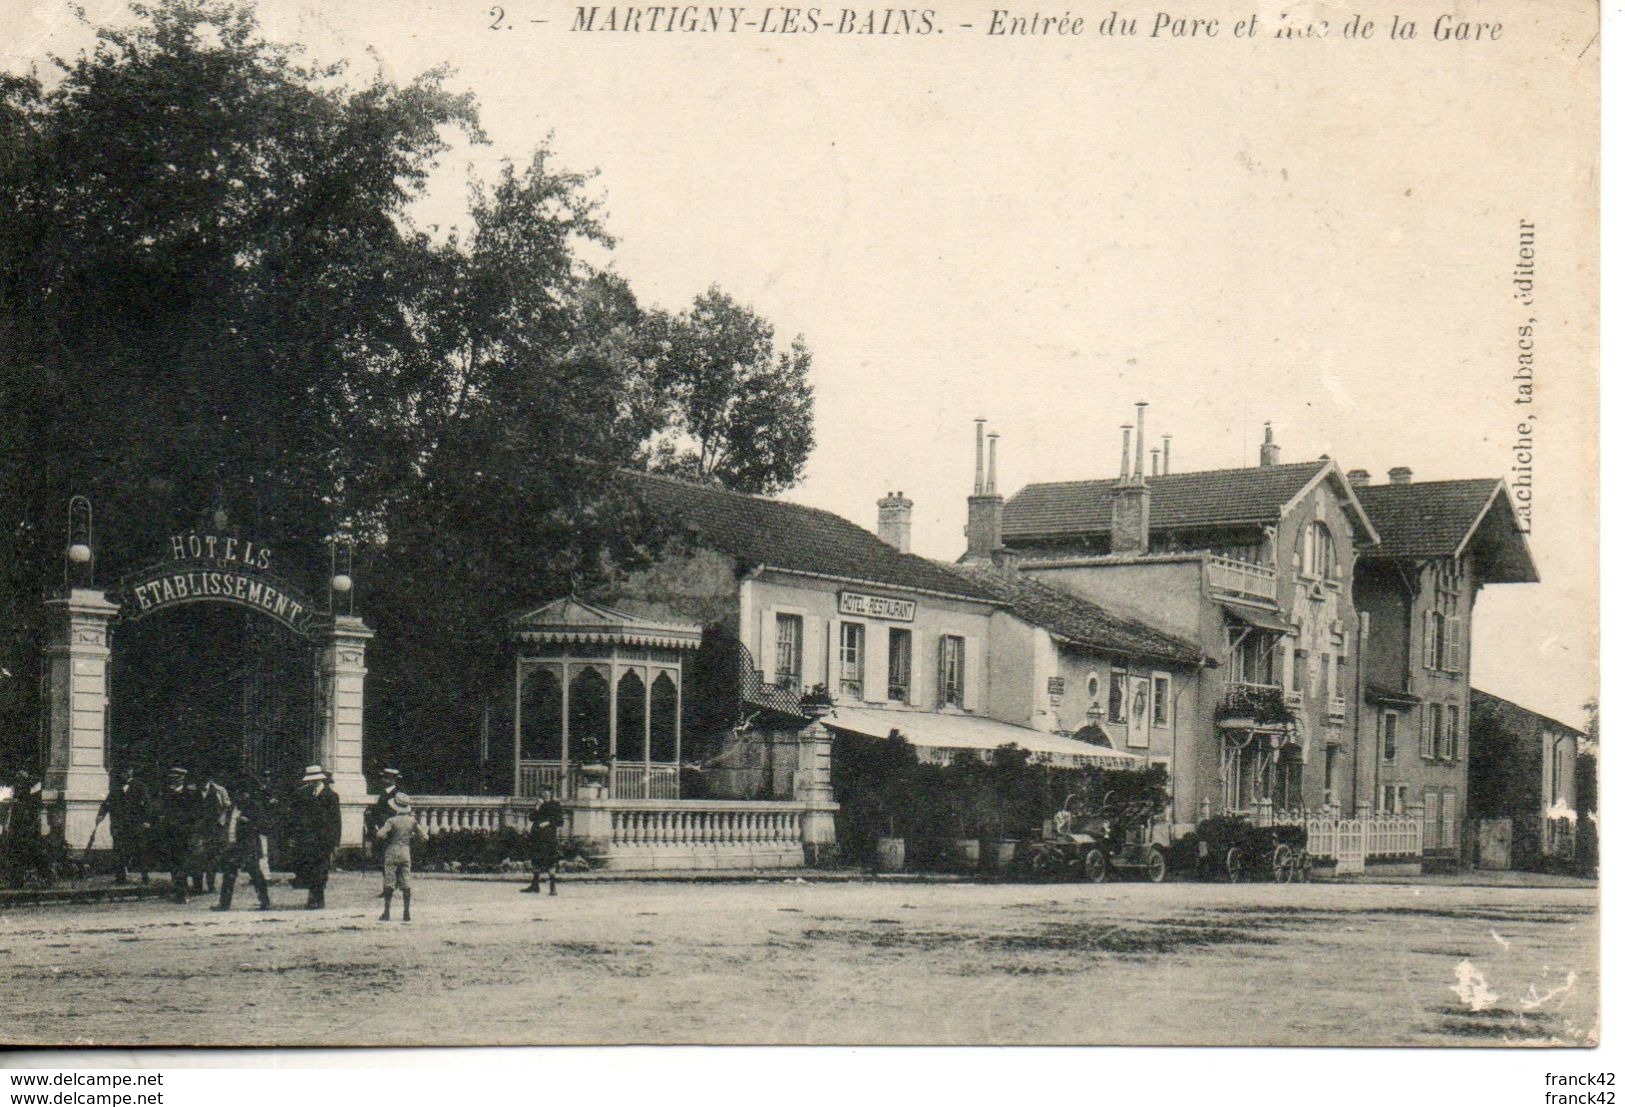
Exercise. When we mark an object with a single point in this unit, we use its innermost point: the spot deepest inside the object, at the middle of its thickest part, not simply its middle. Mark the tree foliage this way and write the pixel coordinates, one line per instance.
(741, 408)
(213, 294)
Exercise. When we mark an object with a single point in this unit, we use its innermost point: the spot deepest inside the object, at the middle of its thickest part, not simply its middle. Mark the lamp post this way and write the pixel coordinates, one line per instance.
(80, 556)
(341, 579)
(1095, 714)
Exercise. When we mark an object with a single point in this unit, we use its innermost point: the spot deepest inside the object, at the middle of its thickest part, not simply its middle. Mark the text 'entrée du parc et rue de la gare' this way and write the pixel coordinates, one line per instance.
(1161, 26)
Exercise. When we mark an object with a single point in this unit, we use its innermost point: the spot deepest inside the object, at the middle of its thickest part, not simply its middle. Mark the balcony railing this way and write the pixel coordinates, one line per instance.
(627, 779)
(1231, 577)
(1261, 703)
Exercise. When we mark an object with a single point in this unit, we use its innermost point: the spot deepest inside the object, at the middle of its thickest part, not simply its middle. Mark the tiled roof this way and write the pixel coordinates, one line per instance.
(1076, 620)
(1483, 701)
(1217, 497)
(1437, 518)
(779, 535)
(1429, 519)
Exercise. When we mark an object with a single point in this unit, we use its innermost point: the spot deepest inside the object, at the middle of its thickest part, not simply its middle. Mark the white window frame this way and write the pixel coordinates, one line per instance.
(951, 673)
(1164, 718)
(851, 656)
(781, 620)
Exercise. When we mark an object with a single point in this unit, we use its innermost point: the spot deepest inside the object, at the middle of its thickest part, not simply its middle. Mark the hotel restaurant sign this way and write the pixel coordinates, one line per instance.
(876, 607)
(214, 568)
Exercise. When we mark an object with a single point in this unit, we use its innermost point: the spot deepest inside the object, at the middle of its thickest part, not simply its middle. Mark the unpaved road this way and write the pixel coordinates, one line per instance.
(1257, 964)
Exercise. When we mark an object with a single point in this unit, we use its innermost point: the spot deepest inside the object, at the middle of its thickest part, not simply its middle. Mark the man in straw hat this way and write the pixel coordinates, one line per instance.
(396, 836)
(317, 827)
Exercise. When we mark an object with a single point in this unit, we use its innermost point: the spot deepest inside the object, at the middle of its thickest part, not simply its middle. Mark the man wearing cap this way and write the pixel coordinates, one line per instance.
(317, 826)
(174, 826)
(381, 810)
(396, 836)
(214, 814)
(127, 806)
(247, 824)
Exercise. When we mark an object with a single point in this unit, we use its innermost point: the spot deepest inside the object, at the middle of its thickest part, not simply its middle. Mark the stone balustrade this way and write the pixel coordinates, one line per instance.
(633, 834)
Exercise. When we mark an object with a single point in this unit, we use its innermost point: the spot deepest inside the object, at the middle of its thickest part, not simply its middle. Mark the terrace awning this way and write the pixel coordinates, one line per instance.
(1257, 617)
(938, 737)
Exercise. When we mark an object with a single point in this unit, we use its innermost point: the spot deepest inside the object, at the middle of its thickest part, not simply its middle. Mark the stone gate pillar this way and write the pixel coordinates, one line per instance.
(341, 673)
(76, 652)
(814, 791)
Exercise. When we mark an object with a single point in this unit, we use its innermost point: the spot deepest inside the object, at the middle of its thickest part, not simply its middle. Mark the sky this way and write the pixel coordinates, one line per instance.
(1043, 230)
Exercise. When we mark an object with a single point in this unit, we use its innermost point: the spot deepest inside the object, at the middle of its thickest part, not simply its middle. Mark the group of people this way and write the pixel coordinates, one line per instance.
(225, 825)
(196, 831)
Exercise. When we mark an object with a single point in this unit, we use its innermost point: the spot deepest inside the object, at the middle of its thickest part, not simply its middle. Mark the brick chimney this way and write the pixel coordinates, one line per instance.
(1131, 501)
(1269, 453)
(1359, 478)
(1399, 475)
(984, 529)
(896, 520)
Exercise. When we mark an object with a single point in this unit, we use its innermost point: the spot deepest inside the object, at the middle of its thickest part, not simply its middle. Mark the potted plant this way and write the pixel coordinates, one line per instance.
(1005, 777)
(964, 776)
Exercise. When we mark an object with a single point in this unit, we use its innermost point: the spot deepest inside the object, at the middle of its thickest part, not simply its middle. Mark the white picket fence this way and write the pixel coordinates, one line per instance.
(1352, 842)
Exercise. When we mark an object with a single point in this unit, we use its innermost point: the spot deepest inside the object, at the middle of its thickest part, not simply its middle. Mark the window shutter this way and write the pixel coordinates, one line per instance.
(942, 670)
(832, 657)
(876, 661)
(767, 655)
(1427, 723)
(1427, 640)
(1454, 649)
(1447, 820)
(919, 670)
(1430, 820)
(973, 674)
(1286, 675)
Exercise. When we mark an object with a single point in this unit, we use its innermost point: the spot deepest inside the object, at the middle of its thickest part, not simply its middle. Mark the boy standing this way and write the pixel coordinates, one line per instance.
(396, 836)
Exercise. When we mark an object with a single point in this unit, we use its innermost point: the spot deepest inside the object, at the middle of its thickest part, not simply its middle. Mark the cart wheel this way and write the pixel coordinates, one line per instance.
(1094, 866)
(1156, 866)
(1233, 864)
(1046, 865)
(1304, 868)
(1283, 864)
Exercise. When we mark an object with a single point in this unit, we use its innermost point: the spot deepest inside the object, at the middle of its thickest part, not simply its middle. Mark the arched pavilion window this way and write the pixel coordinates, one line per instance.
(541, 716)
(663, 719)
(630, 716)
(589, 717)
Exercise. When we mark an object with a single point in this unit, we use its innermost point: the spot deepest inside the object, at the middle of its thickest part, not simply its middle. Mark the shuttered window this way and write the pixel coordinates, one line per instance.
(951, 671)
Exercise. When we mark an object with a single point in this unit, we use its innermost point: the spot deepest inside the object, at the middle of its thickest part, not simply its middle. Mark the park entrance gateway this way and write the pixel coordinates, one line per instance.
(196, 568)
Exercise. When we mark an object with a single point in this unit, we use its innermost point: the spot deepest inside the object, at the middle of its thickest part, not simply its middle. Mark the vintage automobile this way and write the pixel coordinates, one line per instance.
(1088, 841)
(1231, 848)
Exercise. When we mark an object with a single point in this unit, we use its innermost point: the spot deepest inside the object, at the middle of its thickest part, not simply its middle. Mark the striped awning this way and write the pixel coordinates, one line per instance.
(938, 737)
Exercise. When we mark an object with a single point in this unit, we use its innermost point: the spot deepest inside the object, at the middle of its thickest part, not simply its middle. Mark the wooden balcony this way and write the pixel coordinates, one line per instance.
(1227, 576)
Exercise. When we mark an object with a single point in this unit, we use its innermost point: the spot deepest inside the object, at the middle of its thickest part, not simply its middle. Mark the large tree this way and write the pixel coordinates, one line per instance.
(212, 293)
(741, 408)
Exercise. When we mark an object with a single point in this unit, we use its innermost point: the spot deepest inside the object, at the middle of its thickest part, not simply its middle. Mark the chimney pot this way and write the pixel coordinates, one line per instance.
(1269, 453)
(1139, 439)
(1359, 478)
(992, 486)
(976, 489)
(1399, 475)
(896, 520)
(1167, 454)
